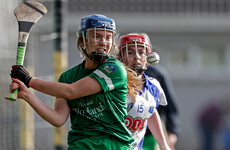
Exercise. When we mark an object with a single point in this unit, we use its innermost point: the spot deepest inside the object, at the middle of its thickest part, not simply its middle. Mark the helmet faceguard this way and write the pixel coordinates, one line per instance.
(98, 34)
(136, 46)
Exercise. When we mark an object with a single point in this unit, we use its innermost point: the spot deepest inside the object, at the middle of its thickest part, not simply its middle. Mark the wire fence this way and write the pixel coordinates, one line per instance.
(9, 116)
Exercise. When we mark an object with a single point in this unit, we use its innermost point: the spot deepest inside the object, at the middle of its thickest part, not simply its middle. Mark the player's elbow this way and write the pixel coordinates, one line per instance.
(74, 93)
(57, 124)
(67, 93)
(70, 94)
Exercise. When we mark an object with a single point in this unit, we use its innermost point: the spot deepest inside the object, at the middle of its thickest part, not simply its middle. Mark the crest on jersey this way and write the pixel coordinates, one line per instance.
(130, 106)
(109, 68)
(151, 109)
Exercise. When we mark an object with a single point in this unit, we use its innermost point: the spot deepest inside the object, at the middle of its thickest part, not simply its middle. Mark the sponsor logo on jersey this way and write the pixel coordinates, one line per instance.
(109, 68)
(135, 124)
(85, 110)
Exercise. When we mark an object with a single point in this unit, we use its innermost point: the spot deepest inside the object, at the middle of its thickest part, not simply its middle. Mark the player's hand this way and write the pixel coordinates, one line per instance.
(24, 92)
(19, 72)
(172, 139)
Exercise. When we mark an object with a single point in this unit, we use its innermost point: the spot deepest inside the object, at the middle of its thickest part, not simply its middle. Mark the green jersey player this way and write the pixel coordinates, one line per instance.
(93, 93)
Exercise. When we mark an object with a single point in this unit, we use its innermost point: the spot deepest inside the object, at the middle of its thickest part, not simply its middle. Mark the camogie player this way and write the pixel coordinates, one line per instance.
(142, 112)
(93, 93)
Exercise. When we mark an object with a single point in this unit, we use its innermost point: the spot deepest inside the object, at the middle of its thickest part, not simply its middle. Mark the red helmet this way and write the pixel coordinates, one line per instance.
(132, 39)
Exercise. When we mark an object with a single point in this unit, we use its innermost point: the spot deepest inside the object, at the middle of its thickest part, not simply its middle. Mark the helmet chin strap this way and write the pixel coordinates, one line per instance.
(138, 70)
(99, 58)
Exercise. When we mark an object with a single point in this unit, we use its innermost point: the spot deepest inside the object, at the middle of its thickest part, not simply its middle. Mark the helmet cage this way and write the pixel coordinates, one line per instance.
(98, 56)
(134, 40)
(94, 23)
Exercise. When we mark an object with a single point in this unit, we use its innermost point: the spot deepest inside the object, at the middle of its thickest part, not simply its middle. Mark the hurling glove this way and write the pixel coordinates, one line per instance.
(19, 72)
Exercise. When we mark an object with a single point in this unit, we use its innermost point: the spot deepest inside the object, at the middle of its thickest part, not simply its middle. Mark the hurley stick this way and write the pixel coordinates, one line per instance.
(27, 14)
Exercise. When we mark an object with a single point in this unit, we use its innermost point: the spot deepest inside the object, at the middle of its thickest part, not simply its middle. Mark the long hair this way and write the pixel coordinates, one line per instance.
(133, 83)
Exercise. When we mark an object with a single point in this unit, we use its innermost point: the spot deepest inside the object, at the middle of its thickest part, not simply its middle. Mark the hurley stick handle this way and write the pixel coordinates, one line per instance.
(19, 61)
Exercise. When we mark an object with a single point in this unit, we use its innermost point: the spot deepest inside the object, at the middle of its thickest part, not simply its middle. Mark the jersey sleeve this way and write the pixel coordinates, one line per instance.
(60, 79)
(110, 75)
(162, 98)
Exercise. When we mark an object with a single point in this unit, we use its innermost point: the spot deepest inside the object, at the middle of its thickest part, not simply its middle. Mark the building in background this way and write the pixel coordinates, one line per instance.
(192, 38)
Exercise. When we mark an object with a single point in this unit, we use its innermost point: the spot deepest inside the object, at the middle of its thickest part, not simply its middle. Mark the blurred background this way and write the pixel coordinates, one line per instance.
(191, 36)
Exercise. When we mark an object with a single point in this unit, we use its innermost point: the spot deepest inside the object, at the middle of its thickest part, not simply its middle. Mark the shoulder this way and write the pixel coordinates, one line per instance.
(152, 80)
(111, 75)
(115, 62)
(112, 66)
(69, 73)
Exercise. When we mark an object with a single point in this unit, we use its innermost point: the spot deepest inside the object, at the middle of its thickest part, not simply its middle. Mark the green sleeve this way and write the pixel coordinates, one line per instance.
(111, 75)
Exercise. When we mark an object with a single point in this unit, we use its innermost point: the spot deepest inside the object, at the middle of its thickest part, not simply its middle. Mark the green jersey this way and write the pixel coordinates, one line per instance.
(104, 113)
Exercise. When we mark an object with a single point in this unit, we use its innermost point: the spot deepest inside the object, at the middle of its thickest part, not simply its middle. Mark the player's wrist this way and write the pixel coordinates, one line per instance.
(28, 81)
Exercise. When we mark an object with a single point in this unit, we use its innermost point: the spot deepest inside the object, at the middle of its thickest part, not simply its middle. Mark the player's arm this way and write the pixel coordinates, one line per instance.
(85, 86)
(155, 126)
(57, 116)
